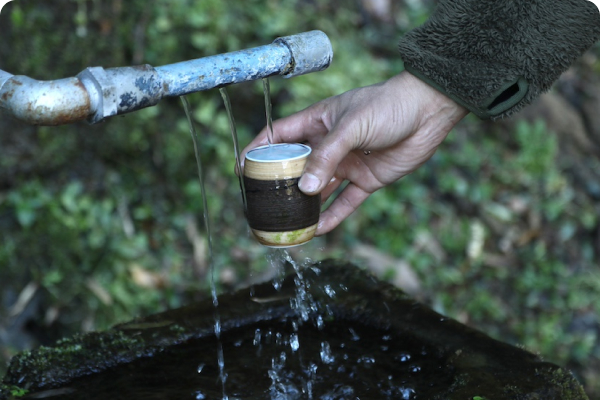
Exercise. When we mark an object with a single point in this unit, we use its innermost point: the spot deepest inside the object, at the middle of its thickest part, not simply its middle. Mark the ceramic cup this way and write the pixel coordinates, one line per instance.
(278, 213)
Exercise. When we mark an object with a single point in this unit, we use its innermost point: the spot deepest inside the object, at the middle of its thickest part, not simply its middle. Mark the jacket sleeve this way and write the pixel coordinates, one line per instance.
(496, 56)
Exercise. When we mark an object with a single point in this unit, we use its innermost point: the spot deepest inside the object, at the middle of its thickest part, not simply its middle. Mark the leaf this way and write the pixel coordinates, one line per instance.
(25, 215)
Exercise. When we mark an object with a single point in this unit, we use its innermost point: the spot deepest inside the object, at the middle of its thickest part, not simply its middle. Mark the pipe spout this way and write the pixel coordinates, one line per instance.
(97, 93)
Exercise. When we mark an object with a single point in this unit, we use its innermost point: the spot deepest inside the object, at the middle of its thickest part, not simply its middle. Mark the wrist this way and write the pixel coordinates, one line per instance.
(435, 110)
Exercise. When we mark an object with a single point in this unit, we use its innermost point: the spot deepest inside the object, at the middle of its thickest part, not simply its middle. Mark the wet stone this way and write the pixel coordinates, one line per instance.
(374, 343)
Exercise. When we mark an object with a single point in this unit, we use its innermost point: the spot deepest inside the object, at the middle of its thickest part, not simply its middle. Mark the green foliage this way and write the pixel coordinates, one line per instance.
(17, 392)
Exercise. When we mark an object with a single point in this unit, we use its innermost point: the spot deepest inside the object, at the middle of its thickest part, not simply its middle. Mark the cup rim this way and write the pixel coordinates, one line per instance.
(307, 149)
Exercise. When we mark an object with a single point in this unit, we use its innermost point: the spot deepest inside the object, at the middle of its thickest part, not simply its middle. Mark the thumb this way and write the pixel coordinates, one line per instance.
(323, 162)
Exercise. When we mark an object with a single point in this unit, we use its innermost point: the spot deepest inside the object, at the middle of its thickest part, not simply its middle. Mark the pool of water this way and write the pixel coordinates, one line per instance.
(280, 360)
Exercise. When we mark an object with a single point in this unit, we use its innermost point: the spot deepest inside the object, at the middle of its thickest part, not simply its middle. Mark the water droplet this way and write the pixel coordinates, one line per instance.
(328, 310)
(403, 357)
(326, 355)
(320, 323)
(268, 336)
(238, 343)
(384, 348)
(329, 290)
(257, 335)
(304, 314)
(355, 337)
(386, 338)
(408, 393)
(201, 367)
(414, 368)
(199, 395)
(218, 327)
(366, 360)
(221, 359)
(278, 339)
(443, 319)
(343, 287)
(294, 342)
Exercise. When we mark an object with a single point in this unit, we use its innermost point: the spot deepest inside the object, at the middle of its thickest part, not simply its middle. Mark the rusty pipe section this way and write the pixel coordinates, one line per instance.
(97, 93)
(45, 102)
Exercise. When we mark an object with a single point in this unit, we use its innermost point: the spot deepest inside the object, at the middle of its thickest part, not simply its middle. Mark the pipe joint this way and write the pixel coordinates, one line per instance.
(120, 90)
(310, 52)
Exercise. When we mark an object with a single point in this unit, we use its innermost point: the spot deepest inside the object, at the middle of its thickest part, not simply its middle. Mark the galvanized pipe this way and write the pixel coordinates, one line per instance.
(97, 93)
(4, 76)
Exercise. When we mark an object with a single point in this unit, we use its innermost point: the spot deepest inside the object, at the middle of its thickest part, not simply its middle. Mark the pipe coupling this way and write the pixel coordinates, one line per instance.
(120, 90)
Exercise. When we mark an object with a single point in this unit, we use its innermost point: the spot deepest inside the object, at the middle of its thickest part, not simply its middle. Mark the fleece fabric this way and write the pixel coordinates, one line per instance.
(496, 56)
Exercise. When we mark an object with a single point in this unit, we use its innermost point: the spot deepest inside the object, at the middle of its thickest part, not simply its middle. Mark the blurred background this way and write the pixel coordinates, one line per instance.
(100, 224)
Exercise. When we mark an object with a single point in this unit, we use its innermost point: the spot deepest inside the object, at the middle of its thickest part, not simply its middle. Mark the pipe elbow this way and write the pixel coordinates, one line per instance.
(36, 102)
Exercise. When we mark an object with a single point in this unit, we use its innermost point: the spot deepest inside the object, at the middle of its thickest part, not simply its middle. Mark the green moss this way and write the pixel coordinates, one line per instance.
(177, 328)
(295, 235)
(12, 392)
(72, 357)
(569, 387)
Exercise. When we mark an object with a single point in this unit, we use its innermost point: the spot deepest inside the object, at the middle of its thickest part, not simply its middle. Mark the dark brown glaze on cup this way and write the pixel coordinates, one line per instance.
(279, 205)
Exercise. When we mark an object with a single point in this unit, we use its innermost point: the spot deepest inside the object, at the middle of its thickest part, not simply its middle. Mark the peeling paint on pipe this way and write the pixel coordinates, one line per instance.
(97, 93)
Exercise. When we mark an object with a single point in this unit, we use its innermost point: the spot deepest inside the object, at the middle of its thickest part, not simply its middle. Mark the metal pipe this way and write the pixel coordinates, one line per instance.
(97, 93)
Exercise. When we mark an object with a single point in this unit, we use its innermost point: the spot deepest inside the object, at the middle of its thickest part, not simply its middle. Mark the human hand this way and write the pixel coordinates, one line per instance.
(370, 137)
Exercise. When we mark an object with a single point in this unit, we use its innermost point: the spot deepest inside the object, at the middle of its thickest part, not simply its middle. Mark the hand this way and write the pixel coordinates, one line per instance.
(399, 123)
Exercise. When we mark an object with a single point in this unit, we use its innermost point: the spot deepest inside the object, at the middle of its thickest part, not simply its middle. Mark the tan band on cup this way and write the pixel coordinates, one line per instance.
(286, 239)
(274, 168)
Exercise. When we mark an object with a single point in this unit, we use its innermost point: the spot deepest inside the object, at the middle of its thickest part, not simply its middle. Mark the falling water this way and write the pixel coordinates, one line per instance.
(236, 145)
(213, 289)
(268, 109)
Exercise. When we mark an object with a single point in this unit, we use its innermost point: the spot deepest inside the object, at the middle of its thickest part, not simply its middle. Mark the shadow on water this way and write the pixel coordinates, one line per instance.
(373, 342)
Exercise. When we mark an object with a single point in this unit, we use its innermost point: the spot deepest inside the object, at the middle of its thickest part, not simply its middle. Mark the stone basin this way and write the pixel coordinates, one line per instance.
(337, 334)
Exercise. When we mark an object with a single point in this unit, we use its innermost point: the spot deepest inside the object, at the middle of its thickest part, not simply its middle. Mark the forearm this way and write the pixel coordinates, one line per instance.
(495, 56)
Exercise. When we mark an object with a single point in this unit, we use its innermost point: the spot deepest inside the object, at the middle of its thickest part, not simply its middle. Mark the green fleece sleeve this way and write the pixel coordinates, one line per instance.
(496, 56)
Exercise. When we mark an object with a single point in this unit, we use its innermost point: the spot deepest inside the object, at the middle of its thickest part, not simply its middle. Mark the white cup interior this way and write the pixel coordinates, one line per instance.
(278, 152)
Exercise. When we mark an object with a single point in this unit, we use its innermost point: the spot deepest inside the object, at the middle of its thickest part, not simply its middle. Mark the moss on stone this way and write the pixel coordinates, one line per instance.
(71, 357)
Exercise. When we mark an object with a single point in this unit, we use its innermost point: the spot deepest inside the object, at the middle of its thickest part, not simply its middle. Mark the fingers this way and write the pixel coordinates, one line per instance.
(305, 125)
(331, 187)
(302, 126)
(324, 160)
(344, 205)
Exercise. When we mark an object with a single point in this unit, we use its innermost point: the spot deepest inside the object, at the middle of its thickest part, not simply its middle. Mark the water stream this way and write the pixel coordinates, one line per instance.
(302, 302)
(236, 144)
(268, 109)
(213, 288)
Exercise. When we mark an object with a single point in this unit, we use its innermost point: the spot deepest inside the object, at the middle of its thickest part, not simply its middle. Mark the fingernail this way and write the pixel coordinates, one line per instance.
(309, 183)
